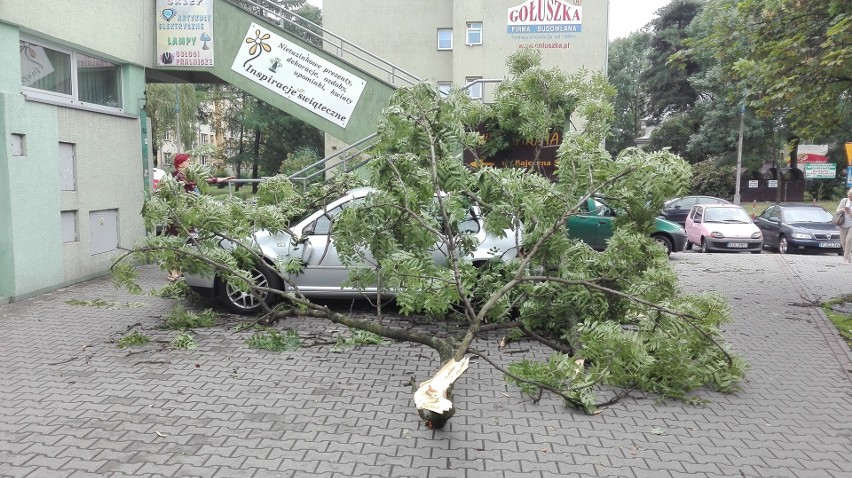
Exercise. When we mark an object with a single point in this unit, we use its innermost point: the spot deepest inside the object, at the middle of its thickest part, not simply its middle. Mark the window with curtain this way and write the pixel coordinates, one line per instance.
(68, 76)
(45, 69)
(98, 81)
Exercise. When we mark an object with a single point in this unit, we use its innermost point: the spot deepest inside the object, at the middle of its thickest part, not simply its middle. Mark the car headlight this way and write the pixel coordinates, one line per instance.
(717, 235)
(755, 235)
(799, 235)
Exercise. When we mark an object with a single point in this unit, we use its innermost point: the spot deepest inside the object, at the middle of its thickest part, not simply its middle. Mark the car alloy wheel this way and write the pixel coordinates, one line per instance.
(244, 302)
(782, 245)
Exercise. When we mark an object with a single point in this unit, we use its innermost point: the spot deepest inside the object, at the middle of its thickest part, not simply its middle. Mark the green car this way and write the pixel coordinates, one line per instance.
(594, 227)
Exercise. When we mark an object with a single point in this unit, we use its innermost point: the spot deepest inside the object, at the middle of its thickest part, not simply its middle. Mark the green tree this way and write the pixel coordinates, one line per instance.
(628, 62)
(793, 58)
(169, 105)
(668, 82)
(615, 321)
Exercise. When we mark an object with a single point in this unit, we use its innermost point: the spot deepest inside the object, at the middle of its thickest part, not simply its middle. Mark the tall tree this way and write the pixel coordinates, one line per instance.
(667, 82)
(628, 62)
(170, 105)
(796, 62)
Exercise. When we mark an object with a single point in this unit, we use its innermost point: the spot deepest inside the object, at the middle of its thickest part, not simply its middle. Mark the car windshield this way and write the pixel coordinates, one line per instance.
(726, 214)
(806, 214)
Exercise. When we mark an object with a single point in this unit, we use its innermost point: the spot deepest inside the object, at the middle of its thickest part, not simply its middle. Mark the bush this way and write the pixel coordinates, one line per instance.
(713, 178)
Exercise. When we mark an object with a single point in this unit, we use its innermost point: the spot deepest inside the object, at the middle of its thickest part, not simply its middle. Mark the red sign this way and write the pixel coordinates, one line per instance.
(811, 158)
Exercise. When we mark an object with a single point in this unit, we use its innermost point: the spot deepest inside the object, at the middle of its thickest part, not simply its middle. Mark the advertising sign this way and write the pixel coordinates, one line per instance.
(519, 154)
(184, 33)
(298, 75)
(820, 170)
(545, 16)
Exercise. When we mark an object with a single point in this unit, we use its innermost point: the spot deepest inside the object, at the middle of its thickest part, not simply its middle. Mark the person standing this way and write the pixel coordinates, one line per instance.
(181, 163)
(846, 226)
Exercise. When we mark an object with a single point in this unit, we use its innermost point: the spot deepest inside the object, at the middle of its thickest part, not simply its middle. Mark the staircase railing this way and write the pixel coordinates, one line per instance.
(332, 43)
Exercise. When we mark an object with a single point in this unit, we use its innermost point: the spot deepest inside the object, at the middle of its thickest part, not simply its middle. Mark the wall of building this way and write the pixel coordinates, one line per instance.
(108, 160)
(405, 33)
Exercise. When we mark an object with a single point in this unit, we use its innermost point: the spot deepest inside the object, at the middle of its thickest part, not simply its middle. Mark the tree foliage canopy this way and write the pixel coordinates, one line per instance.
(615, 320)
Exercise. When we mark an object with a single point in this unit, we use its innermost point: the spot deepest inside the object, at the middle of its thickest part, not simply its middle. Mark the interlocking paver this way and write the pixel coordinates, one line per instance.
(83, 407)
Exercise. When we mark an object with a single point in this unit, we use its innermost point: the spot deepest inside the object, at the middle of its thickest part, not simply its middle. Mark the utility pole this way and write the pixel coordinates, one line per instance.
(739, 154)
(177, 119)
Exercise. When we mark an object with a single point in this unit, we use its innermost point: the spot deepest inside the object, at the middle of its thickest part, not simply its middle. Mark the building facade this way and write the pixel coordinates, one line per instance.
(455, 42)
(73, 160)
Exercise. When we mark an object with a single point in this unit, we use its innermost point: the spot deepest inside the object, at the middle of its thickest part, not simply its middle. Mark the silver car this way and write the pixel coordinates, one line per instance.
(323, 273)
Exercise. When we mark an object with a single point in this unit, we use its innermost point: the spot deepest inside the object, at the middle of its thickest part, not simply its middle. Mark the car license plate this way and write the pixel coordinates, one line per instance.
(738, 245)
(833, 245)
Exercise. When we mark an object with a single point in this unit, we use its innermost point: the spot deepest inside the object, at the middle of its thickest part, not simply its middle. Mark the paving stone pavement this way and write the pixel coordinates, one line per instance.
(72, 404)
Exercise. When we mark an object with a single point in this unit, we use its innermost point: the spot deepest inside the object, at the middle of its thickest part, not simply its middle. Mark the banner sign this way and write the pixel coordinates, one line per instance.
(545, 16)
(519, 154)
(820, 170)
(298, 75)
(184, 33)
(820, 149)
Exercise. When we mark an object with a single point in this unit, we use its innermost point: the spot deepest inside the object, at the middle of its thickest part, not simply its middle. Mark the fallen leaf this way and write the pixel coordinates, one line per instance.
(160, 434)
(658, 431)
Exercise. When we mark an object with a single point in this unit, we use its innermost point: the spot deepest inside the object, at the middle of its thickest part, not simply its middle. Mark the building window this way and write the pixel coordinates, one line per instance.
(474, 90)
(474, 33)
(444, 88)
(54, 74)
(445, 38)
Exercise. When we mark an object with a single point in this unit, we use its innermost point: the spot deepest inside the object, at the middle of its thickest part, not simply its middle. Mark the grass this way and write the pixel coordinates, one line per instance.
(843, 322)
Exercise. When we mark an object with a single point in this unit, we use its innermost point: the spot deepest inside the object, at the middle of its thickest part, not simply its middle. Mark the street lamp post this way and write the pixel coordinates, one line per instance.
(739, 154)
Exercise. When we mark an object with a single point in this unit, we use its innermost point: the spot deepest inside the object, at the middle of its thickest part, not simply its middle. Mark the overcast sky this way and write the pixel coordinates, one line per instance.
(625, 16)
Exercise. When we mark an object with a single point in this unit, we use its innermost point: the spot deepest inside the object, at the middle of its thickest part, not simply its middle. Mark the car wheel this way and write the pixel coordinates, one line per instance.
(782, 245)
(243, 302)
(665, 242)
(704, 246)
(688, 246)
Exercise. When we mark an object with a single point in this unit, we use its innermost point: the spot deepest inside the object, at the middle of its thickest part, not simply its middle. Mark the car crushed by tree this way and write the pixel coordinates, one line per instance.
(614, 321)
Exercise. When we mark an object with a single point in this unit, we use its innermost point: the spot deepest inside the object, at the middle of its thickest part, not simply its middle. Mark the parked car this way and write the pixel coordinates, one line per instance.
(793, 227)
(722, 227)
(594, 227)
(676, 210)
(323, 272)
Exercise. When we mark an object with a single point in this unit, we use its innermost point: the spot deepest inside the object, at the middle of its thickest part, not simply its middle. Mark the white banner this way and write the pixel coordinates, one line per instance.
(298, 75)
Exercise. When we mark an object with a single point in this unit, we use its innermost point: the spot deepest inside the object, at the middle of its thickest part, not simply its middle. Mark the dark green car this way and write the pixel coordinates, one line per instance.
(594, 227)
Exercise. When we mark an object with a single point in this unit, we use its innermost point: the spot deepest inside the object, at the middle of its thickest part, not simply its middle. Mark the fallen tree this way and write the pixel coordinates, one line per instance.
(615, 320)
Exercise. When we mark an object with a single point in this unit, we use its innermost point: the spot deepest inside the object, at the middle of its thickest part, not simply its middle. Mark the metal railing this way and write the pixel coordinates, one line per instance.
(332, 43)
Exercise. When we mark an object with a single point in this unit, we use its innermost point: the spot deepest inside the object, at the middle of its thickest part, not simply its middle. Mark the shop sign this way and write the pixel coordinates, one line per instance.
(820, 170)
(184, 33)
(545, 16)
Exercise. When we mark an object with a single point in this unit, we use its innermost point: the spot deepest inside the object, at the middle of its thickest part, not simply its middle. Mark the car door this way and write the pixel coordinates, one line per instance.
(593, 225)
(322, 271)
(676, 211)
(769, 223)
(693, 224)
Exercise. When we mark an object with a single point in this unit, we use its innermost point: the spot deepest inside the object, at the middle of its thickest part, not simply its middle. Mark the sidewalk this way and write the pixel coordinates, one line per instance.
(72, 404)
